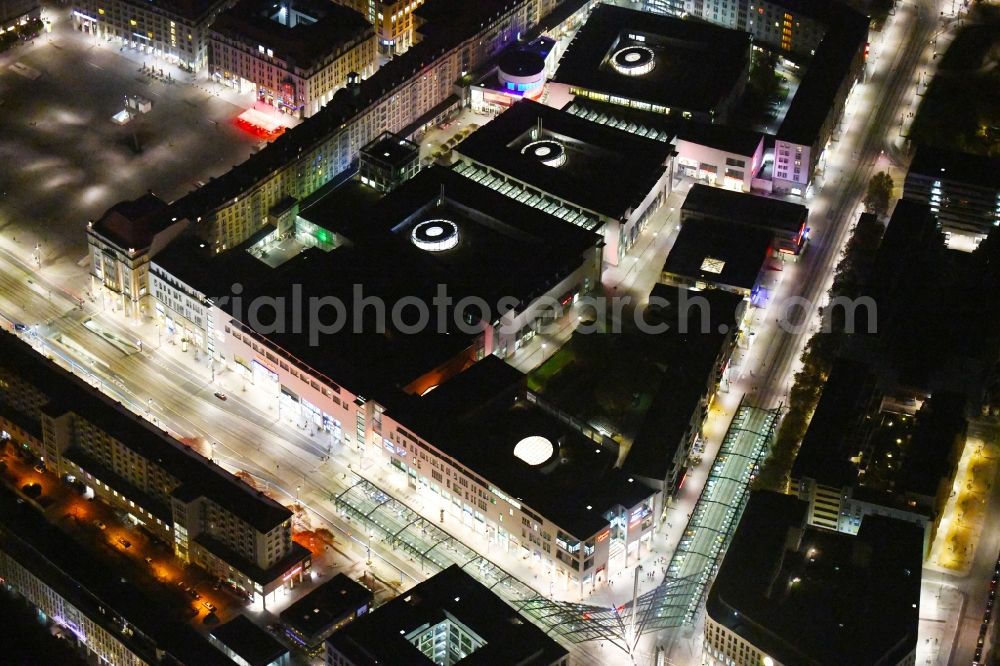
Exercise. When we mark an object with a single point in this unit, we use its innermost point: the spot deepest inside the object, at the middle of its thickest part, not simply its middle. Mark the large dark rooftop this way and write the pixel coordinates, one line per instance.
(254, 646)
(328, 604)
(303, 34)
(504, 249)
(695, 65)
(608, 171)
(805, 595)
(780, 217)
(479, 417)
(831, 441)
(384, 636)
(953, 165)
(720, 253)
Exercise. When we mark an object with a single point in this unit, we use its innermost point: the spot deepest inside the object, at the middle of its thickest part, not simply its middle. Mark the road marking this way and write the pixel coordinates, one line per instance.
(94, 65)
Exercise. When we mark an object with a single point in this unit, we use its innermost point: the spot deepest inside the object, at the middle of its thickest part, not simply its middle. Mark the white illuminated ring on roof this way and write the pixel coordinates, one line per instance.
(547, 151)
(435, 235)
(534, 450)
(634, 60)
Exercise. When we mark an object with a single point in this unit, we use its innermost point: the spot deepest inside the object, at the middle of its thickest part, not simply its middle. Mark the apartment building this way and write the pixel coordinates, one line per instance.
(793, 26)
(209, 517)
(294, 57)
(108, 620)
(174, 30)
(812, 120)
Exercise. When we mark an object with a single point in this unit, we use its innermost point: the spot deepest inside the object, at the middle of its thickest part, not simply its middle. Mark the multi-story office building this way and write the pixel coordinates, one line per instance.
(121, 243)
(444, 620)
(292, 56)
(249, 645)
(310, 620)
(962, 190)
(789, 594)
(175, 31)
(108, 619)
(593, 176)
(209, 517)
(841, 468)
(643, 61)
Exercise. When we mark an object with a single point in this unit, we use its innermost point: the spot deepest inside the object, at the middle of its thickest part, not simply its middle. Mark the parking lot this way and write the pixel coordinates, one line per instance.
(65, 159)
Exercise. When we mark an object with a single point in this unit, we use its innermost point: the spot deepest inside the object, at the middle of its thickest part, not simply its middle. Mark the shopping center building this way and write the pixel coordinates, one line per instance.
(438, 406)
(584, 174)
(655, 63)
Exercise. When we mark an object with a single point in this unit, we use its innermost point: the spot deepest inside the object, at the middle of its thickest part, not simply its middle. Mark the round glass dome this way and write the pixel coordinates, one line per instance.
(534, 450)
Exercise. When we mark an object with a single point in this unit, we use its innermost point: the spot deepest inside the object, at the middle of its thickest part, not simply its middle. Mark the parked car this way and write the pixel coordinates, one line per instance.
(209, 606)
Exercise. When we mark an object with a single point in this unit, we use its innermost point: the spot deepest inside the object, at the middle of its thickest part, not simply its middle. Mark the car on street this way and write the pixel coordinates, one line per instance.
(194, 593)
(148, 560)
(100, 525)
(209, 606)
(221, 396)
(124, 542)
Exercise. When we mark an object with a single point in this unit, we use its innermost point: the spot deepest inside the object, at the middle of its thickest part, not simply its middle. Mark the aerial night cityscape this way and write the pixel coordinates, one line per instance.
(499, 332)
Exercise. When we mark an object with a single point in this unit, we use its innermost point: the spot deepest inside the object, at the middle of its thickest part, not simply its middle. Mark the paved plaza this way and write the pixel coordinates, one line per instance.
(65, 161)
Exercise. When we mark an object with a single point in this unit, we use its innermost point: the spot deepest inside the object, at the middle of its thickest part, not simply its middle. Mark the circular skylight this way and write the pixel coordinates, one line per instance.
(634, 60)
(547, 151)
(534, 450)
(435, 235)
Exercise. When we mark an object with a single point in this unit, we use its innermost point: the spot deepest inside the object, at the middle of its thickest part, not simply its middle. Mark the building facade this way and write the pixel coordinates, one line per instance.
(296, 64)
(962, 191)
(120, 245)
(207, 515)
(175, 31)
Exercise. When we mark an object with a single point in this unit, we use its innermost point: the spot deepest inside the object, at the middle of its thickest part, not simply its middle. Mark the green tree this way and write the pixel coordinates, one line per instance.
(879, 193)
